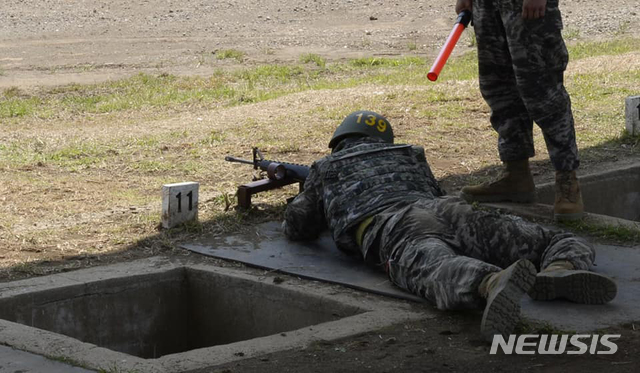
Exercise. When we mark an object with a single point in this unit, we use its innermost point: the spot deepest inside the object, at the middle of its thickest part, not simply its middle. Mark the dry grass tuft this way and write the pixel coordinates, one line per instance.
(82, 189)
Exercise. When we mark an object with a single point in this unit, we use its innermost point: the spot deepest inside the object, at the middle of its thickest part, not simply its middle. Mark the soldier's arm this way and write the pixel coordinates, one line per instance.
(304, 217)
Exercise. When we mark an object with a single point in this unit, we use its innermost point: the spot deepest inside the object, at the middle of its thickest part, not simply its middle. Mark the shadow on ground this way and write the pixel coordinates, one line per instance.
(606, 156)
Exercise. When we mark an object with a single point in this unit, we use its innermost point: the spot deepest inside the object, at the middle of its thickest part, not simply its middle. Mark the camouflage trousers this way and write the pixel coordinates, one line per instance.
(521, 67)
(441, 249)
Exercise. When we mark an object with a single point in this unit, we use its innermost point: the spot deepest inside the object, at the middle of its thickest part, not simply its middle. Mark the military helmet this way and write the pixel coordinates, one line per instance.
(364, 122)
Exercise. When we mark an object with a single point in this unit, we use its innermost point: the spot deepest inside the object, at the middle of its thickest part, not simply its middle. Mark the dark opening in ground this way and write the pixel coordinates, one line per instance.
(173, 311)
(614, 193)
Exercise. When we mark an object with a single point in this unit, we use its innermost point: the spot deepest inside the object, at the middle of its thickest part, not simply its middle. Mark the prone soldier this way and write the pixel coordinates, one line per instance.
(382, 201)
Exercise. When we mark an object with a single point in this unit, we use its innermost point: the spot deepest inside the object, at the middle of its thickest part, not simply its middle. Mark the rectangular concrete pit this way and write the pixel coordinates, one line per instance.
(613, 193)
(174, 311)
(157, 315)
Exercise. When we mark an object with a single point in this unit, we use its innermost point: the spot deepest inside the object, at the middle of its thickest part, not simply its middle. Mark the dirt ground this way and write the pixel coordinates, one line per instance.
(52, 42)
(57, 42)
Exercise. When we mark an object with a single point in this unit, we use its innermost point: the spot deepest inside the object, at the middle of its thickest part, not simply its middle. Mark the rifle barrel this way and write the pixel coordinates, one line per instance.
(239, 160)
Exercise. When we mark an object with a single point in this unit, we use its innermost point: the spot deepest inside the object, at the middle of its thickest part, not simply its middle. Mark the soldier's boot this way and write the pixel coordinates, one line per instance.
(561, 280)
(503, 291)
(568, 204)
(515, 185)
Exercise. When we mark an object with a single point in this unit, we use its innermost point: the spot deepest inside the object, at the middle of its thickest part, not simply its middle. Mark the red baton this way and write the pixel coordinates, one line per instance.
(461, 23)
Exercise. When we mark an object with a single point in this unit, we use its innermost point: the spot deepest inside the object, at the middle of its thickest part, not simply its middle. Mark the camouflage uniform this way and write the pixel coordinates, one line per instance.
(521, 66)
(434, 246)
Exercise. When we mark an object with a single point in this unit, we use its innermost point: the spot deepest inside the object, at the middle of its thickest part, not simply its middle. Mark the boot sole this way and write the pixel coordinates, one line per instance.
(502, 312)
(576, 286)
(511, 197)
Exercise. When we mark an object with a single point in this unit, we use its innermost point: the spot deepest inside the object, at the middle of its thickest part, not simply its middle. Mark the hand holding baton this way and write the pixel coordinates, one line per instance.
(461, 23)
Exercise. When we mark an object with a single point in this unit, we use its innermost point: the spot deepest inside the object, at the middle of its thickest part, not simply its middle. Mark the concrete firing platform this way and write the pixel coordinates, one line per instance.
(266, 247)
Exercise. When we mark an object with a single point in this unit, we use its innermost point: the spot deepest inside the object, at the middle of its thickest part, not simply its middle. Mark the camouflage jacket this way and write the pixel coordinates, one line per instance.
(359, 179)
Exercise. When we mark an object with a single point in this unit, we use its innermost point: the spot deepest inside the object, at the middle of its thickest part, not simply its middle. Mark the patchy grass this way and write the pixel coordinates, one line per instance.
(230, 54)
(571, 34)
(604, 48)
(387, 62)
(610, 232)
(316, 59)
(270, 81)
(598, 100)
(82, 166)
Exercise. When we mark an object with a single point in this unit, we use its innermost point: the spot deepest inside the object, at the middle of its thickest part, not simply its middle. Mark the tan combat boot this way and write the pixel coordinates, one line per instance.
(561, 280)
(568, 204)
(515, 185)
(503, 291)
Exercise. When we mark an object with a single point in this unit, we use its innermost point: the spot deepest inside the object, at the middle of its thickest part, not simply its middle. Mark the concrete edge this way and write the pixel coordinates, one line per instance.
(378, 312)
(544, 212)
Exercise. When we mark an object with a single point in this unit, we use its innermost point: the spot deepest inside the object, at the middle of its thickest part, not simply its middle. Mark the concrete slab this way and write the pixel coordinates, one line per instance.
(109, 318)
(620, 262)
(266, 247)
(320, 260)
(14, 361)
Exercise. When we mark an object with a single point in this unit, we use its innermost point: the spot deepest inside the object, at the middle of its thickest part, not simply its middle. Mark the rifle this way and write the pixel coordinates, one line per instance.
(279, 174)
(461, 23)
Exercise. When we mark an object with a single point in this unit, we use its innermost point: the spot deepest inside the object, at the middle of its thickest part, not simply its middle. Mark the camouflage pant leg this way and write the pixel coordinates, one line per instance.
(566, 246)
(509, 116)
(503, 239)
(427, 265)
(521, 64)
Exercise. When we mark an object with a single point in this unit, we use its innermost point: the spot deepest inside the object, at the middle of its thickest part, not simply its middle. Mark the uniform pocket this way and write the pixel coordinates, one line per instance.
(539, 43)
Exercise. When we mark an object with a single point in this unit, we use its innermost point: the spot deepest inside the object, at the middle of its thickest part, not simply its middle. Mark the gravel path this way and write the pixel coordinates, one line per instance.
(48, 42)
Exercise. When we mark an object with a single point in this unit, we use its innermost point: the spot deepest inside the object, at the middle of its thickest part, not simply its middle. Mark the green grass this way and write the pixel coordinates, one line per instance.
(605, 48)
(122, 140)
(571, 33)
(310, 57)
(215, 137)
(598, 100)
(270, 81)
(610, 232)
(230, 53)
(387, 62)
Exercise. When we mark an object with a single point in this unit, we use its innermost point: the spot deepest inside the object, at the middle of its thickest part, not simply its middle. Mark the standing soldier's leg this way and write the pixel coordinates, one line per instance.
(539, 59)
(509, 116)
